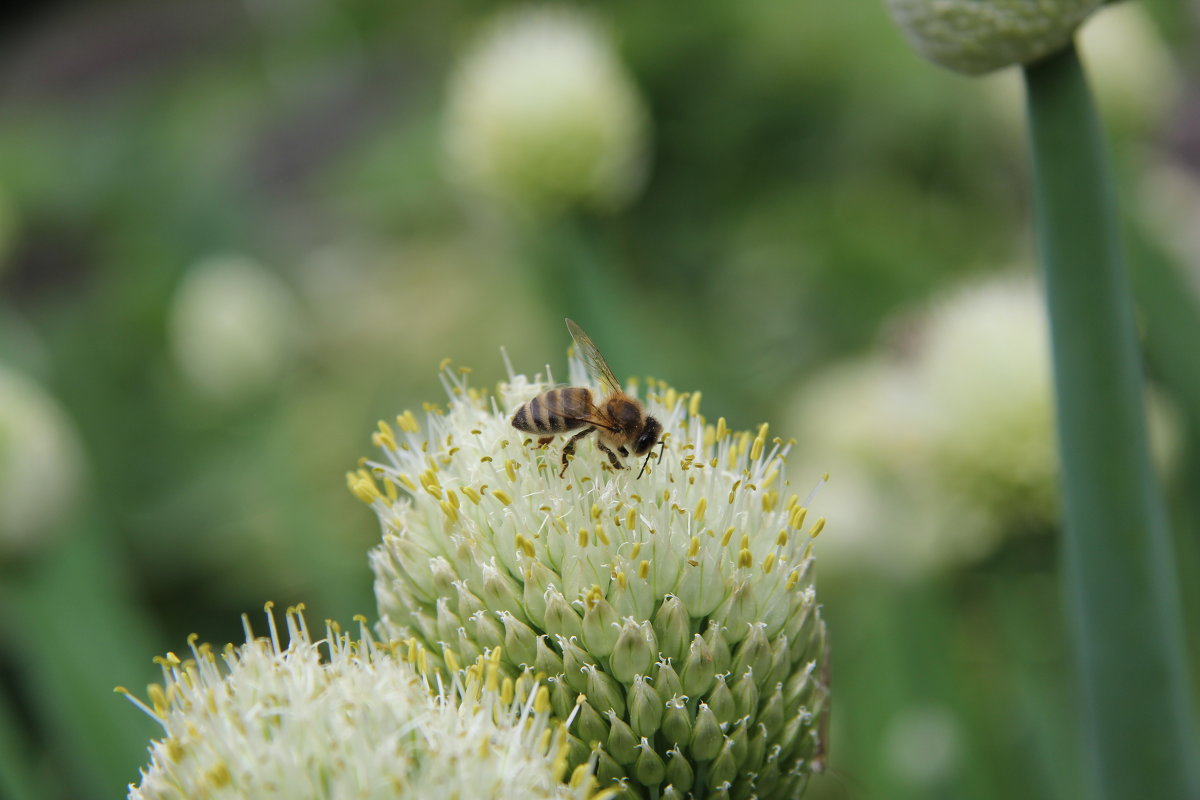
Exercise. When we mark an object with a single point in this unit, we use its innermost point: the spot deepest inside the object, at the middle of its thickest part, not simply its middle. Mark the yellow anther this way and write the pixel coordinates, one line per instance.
(541, 703)
(768, 563)
(644, 569)
(694, 405)
(471, 494)
(464, 370)
(782, 539)
(817, 527)
(408, 483)
(636, 550)
(792, 502)
(622, 581)
(595, 511)
(387, 434)
(745, 541)
(701, 507)
(630, 519)
(510, 467)
(798, 515)
(502, 496)
(601, 535)
(670, 397)
(693, 547)
(449, 510)
(506, 692)
(452, 498)
(722, 429)
(725, 537)
(793, 578)
(744, 558)
(583, 537)
(769, 499)
(443, 364)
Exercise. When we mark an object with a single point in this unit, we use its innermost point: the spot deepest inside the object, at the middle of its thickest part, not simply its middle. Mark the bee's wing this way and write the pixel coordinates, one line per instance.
(596, 366)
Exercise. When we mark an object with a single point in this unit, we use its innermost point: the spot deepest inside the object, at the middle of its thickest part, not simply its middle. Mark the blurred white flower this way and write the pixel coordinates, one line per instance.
(923, 745)
(233, 327)
(679, 603)
(349, 717)
(41, 464)
(977, 36)
(542, 115)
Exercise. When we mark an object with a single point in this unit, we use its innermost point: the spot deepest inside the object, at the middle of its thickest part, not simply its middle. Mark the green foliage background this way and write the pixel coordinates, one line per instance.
(810, 176)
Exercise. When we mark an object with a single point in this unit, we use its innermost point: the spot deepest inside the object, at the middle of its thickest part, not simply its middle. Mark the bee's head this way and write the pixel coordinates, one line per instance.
(648, 437)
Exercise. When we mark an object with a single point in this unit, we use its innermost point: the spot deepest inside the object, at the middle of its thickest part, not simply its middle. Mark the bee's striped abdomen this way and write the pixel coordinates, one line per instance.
(554, 411)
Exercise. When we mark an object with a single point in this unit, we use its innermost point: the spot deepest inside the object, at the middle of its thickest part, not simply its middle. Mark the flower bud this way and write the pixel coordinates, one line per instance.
(562, 699)
(671, 793)
(622, 744)
(756, 748)
(634, 651)
(645, 707)
(754, 652)
(604, 692)
(718, 644)
(745, 695)
(679, 774)
(739, 743)
(977, 36)
(486, 630)
(600, 624)
(589, 725)
(649, 768)
(538, 580)
(771, 716)
(673, 627)
(547, 661)
(677, 722)
(666, 680)
(448, 622)
(561, 619)
(720, 700)
(706, 735)
(698, 670)
(520, 642)
(724, 767)
(500, 592)
(574, 660)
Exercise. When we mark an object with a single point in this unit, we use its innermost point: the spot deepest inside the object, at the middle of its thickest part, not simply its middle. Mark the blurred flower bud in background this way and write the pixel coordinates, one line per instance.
(944, 446)
(41, 464)
(977, 36)
(543, 116)
(233, 327)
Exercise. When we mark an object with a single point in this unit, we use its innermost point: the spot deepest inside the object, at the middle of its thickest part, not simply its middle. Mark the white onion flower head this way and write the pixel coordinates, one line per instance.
(978, 36)
(348, 716)
(542, 115)
(679, 604)
(233, 327)
(41, 465)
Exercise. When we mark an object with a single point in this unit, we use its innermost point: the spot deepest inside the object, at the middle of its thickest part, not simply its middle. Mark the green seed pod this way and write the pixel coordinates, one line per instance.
(649, 768)
(706, 735)
(977, 36)
(645, 708)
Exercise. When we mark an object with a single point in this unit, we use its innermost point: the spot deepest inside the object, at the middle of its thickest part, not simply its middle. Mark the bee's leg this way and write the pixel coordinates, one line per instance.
(612, 457)
(544, 440)
(569, 447)
(624, 453)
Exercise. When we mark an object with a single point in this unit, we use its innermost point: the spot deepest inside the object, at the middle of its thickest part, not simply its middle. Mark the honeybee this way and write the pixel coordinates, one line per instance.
(619, 420)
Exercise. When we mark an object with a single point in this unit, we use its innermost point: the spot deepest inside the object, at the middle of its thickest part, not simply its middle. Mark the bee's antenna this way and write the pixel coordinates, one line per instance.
(660, 456)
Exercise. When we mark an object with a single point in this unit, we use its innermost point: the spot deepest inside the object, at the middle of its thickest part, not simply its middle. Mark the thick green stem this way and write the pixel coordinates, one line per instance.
(1118, 569)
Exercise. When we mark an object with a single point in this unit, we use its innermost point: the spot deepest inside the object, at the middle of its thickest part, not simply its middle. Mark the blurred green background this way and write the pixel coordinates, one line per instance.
(233, 236)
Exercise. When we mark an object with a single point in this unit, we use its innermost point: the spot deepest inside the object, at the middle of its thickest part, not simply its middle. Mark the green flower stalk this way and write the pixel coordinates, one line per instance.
(675, 612)
(350, 716)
